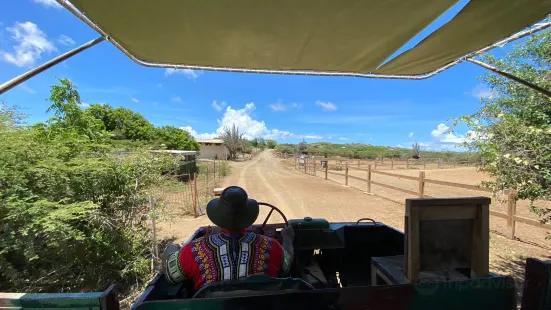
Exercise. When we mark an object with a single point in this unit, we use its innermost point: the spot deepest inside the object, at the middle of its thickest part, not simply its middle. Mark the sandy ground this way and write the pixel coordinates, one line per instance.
(271, 179)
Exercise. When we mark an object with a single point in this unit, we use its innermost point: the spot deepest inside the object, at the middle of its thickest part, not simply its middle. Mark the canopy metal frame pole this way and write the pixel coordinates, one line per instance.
(29, 74)
(512, 77)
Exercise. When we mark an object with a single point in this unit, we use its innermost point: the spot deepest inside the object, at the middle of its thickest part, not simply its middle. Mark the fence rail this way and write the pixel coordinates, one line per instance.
(308, 166)
(395, 163)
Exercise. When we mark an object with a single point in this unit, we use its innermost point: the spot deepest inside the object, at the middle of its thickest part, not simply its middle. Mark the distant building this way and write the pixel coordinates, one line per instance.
(212, 148)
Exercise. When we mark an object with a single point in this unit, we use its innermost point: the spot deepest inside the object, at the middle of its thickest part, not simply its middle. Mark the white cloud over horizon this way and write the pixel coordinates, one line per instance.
(135, 100)
(31, 43)
(251, 127)
(410, 134)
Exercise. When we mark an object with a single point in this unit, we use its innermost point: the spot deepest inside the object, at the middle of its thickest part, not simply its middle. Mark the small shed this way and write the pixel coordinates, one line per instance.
(212, 149)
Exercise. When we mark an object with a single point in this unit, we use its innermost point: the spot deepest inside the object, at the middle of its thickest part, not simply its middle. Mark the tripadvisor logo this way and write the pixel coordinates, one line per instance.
(427, 288)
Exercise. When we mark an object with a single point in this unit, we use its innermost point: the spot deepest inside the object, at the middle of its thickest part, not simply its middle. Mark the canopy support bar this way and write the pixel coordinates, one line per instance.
(512, 77)
(29, 74)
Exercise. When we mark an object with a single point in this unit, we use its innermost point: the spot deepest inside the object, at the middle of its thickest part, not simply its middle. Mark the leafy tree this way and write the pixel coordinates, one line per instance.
(233, 140)
(68, 118)
(125, 124)
(512, 130)
(271, 144)
(10, 117)
(258, 143)
(302, 147)
(174, 138)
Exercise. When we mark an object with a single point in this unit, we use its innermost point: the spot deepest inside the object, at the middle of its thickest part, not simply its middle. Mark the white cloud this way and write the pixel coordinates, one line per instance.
(31, 43)
(251, 127)
(410, 134)
(176, 99)
(26, 88)
(48, 3)
(481, 91)
(442, 135)
(84, 105)
(218, 106)
(135, 100)
(326, 106)
(190, 74)
(343, 138)
(277, 107)
(65, 40)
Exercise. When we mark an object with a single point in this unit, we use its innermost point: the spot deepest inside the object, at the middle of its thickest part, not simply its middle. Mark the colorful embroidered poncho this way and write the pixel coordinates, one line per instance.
(223, 257)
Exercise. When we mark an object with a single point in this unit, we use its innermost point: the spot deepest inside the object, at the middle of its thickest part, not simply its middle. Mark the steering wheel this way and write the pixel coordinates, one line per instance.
(270, 214)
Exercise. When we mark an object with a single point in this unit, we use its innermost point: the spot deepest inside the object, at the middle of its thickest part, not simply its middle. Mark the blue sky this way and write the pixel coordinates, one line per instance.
(286, 108)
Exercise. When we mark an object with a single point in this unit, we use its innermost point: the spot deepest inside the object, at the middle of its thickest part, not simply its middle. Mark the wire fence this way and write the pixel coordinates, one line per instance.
(190, 195)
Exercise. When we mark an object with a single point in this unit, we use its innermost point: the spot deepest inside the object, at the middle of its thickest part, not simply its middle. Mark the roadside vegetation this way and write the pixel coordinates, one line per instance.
(512, 130)
(70, 210)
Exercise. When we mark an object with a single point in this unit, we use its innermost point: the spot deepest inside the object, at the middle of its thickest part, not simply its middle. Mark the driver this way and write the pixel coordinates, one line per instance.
(233, 253)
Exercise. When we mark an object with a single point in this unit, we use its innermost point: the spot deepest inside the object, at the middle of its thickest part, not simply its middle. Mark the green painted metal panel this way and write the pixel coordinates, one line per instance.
(480, 294)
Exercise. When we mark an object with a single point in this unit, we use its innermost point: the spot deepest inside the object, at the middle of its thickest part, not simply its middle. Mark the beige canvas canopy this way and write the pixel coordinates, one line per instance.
(306, 35)
(313, 37)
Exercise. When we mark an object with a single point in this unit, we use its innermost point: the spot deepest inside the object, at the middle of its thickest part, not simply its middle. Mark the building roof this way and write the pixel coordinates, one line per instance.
(179, 152)
(213, 141)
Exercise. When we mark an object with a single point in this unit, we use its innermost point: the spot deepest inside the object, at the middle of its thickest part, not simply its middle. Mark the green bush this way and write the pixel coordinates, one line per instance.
(69, 209)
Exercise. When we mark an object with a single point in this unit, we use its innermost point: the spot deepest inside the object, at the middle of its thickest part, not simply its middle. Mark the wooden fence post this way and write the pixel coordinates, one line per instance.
(305, 163)
(424, 164)
(326, 167)
(407, 163)
(369, 179)
(346, 174)
(391, 164)
(421, 184)
(296, 161)
(511, 211)
(314, 166)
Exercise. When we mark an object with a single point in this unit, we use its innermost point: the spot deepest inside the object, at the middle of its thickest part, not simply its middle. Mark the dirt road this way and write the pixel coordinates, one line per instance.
(299, 195)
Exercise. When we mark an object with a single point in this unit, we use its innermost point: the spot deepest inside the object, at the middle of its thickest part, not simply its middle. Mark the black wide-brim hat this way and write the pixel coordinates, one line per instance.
(233, 210)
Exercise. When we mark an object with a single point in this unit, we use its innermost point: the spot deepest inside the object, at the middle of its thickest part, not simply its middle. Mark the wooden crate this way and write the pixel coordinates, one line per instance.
(446, 235)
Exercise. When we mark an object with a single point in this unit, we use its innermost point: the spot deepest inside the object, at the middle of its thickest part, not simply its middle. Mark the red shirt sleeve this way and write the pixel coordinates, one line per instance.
(181, 265)
(279, 262)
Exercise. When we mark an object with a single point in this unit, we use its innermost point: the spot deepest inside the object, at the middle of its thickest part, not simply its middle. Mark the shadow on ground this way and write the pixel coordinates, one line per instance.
(514, 267)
